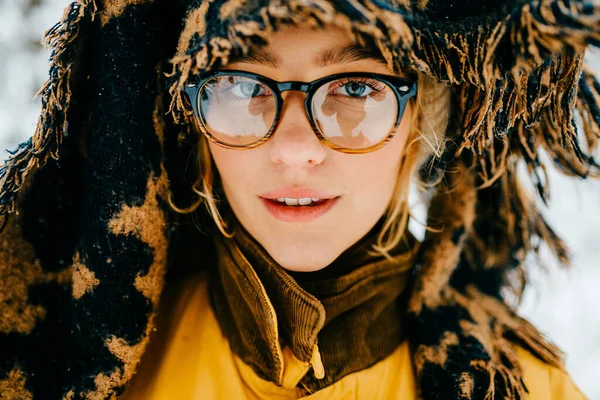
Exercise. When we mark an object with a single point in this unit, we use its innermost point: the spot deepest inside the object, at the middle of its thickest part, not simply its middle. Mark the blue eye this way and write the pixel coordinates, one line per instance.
(356, 89)
(247, 89)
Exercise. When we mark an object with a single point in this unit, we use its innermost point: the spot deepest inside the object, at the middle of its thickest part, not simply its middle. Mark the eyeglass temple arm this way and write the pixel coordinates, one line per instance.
(191, 90)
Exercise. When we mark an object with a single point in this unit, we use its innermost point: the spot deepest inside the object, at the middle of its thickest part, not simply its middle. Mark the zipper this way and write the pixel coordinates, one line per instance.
(316, 363)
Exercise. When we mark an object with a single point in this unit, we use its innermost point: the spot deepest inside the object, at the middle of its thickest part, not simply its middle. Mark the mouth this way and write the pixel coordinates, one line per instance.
(299, 210)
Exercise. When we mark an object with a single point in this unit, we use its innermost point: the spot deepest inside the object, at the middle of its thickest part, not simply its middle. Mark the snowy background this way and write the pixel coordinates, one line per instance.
(565, 305)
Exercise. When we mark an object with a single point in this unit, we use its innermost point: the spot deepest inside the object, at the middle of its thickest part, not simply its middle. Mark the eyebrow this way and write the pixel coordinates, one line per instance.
(335, 55)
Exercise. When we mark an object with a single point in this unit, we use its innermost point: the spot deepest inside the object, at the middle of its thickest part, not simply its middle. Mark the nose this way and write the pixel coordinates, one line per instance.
(294, 143)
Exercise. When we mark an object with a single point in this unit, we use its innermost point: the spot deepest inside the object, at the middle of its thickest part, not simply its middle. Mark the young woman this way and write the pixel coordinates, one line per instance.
(239, 230)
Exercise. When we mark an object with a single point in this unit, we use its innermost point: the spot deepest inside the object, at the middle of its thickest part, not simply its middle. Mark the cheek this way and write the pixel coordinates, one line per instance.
(379, 170)
(374, 181)
(235, 169)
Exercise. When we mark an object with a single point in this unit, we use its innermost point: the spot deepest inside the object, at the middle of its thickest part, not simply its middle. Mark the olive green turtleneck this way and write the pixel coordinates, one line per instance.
(353, 309)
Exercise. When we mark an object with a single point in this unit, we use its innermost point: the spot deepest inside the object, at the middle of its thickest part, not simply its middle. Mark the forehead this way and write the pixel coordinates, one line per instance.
(324, 58)
(319, 47)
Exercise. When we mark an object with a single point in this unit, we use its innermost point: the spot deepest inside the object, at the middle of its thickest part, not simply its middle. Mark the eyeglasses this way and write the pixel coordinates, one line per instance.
(351, 112)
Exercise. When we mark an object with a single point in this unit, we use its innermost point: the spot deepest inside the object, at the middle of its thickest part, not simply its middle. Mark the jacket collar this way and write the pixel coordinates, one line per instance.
(339, 320)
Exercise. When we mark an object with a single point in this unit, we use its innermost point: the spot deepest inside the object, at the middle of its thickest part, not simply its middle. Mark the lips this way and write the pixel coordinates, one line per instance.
(299, 213)
(297, 193)
(309, 213)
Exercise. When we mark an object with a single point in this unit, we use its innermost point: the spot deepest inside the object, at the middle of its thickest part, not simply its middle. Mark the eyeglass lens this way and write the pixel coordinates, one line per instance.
(351, 112)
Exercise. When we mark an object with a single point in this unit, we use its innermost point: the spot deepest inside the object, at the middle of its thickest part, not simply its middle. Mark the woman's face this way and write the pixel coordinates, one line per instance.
(295, 158)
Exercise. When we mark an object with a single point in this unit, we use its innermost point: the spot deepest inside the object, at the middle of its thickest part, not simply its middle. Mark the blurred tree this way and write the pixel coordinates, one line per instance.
(23, 64)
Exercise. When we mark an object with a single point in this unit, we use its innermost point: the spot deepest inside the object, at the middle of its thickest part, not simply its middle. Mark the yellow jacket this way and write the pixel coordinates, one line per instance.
(191, 359)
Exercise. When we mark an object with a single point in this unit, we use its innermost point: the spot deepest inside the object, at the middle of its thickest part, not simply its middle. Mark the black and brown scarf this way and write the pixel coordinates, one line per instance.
(89, 240)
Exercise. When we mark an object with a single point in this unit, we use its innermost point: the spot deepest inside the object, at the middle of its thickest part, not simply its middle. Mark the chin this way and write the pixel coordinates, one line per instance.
(298, 261)
(303, 268)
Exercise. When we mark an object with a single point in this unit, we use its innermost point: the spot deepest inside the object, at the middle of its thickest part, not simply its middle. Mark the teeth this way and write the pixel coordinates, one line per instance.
(297, 202)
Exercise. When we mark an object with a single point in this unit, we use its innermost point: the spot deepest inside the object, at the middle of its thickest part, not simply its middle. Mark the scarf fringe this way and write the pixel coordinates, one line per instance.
(492, 331)
(519, 227)
(519, 43)
(55, 94)
(452, 297)
(520, 76)
(540, 113)
(588, 107)
(505, 373)
(558, 132)
(451, 216)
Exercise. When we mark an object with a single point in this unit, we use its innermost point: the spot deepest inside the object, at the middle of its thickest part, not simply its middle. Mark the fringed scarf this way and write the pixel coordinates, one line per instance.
(89, 236)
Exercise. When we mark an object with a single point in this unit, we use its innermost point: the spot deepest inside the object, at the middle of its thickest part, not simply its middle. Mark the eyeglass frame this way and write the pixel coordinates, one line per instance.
(403, 88)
